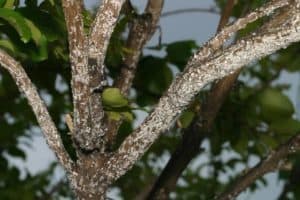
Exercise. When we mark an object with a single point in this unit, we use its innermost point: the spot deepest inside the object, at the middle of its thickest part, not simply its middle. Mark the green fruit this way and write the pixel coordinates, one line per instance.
(112, 97)
(274, 105)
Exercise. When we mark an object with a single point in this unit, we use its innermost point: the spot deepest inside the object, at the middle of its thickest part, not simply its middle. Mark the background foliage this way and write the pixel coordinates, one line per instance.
(256, 117)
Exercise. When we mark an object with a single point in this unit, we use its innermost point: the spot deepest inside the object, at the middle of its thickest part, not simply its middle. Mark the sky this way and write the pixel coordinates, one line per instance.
(196, 26)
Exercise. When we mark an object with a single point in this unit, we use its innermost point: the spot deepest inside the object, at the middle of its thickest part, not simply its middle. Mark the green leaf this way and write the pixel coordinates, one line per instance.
(7, 45)
(17, 21)
(153, 75)
(112, 97)
(268, 140)
(285, 126)
(289, 58)
(31, 3)
(128, 116)
(40, 41)
(274, 105)
(45, 22)
(186, 118)
(117, 116)
(9, 4)
(178, 53)
(2, 3)
(241, 146)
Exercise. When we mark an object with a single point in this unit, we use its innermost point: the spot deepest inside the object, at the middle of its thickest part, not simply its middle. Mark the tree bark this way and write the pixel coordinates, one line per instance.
(95, 170)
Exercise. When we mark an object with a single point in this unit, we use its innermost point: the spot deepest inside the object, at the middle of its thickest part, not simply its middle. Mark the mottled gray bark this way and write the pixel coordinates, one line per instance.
(141, 30)
(96, 170)
(80, 77)
(38, 107)
(87, 54)
(99, 37)
(197, 75)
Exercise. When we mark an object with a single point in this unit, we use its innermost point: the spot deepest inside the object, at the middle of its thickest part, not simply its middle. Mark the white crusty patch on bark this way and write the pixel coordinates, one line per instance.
(80, 76)
(103, 27)
(39, 108)
(191, 81)
(228, 31)
(100, 33)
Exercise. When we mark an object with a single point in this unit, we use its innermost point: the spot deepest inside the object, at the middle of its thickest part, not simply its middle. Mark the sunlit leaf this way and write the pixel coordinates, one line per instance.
(17, 21)
(7, 45)
(9, 3)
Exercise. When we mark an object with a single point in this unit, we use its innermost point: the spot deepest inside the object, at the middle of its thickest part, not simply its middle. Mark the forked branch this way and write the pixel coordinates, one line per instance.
(87, 55)
(196, 76)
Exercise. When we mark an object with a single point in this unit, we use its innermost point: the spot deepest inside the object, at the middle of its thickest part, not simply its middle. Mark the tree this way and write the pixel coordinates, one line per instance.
(101, 145)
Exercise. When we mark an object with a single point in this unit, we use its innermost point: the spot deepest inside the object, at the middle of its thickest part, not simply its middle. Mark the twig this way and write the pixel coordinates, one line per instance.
(215, 43)
(39, 108)
(190, 10)
(273, 162)
(141, 31)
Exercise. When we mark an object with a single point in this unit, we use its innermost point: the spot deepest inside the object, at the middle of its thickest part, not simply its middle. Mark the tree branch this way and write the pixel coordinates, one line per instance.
(142, 29)
(87, 57)
(226, 14)
(80, 78)
(102, 28)
(100, 33)
(188, 148)
(39, 108)
(273, 162)
(215, 43)
(268, 164)
(196, 76)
